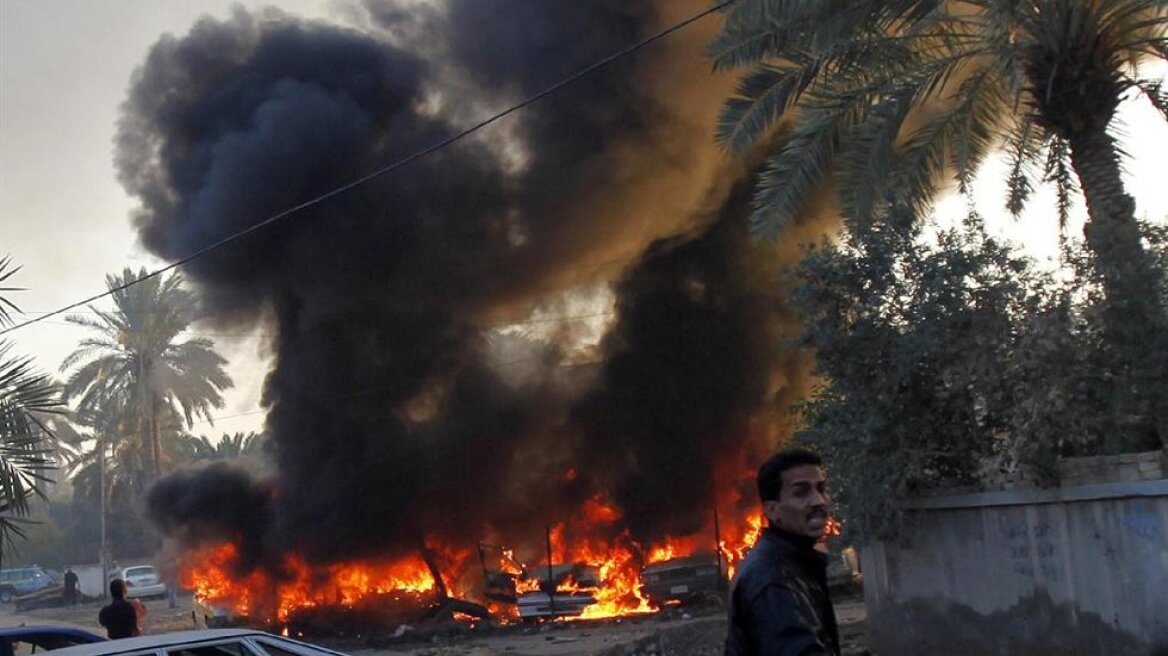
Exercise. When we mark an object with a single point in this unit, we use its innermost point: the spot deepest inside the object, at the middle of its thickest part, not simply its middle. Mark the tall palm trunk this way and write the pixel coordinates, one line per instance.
(149, 418)
(1112, 232)
(1134, 318)
(1113, 235)
(155, 447)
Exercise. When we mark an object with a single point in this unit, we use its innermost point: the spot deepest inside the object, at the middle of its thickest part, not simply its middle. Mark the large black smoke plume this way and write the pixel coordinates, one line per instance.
(687, 365)
(389, 421)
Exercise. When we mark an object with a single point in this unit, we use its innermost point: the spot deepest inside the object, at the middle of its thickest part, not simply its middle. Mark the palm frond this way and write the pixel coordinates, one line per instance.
(1058, 171)
(749, 35)
(26, 450)
(88, 322)
(984, 103)
(1023, 146)
(763, 97)
(1154, 92)
(790, 177)
(866, 159)
(7, 307)
(918, 163)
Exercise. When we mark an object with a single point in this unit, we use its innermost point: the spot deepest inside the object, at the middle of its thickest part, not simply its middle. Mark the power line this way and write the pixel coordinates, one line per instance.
(596, 266)
(392, 167)
(504, 324)
(90, 310)
(379, 388)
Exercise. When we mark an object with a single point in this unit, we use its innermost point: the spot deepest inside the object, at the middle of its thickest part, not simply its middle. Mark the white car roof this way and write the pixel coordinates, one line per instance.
(173, 639)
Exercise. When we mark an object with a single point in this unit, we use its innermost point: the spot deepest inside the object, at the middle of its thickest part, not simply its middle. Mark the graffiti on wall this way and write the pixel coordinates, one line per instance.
(1030, 548)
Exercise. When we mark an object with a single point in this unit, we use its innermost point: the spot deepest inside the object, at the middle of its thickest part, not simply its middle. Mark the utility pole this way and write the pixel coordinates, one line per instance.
(718, 540)
(104, 547)
(551, 588)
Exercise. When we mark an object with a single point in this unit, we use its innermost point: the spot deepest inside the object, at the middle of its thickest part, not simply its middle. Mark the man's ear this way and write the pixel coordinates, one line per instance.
(771, 510)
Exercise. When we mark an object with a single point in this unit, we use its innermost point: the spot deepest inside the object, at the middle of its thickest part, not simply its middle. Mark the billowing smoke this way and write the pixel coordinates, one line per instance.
(682, 376)
(390, 421)
(217, 503)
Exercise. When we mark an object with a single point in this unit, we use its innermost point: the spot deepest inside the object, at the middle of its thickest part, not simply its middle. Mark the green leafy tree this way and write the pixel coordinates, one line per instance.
(909, 341)
(27, 397)
(956, 363)
(886, 98)
(138, 357)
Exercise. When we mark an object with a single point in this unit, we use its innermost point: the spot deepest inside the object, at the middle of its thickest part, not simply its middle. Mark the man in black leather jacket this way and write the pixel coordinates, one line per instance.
(779, 604)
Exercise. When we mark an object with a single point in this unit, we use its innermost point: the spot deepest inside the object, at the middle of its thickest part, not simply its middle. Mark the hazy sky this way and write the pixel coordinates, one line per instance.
(64, 70)
(65, 66)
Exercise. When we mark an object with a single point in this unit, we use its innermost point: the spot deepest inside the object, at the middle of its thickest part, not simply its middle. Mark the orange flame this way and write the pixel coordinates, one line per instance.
(302, 586)
(617, 562)
(734, 550)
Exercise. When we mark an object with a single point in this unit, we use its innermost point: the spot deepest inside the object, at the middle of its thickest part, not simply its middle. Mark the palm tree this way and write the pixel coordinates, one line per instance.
(103, 454)
(104, 457)
(26, 398)
(887, 97)
(230, 447)
(25, 447)
(137, 358)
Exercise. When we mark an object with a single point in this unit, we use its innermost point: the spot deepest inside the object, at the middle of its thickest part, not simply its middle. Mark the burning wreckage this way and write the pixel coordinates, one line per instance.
(561, 318)
(359, 597)
(416, 589)
(582, 590)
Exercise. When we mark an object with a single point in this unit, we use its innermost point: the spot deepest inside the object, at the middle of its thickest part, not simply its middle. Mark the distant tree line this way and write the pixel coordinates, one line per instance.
(133, 389)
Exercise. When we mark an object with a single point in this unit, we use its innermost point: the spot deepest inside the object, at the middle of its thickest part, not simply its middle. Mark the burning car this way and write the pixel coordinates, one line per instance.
(571, 589)
(207, 615)
(684, 580)
(563, 590)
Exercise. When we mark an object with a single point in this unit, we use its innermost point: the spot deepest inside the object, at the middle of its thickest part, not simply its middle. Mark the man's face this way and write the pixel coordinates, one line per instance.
(803, 503)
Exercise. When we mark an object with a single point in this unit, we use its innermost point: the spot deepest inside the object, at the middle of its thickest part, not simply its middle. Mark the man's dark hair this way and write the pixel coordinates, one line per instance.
(118, 589)
(770, 474)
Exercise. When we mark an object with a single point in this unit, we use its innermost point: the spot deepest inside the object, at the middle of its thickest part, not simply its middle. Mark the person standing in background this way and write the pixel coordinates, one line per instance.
(71, 583)
(119, 617)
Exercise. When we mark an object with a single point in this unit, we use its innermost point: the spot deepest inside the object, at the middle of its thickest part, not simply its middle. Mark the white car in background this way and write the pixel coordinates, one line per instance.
(215, 642)
(142, 581)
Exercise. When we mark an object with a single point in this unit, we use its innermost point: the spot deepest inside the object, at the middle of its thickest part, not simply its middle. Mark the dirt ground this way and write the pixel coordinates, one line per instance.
(677, 634)
(159, 618)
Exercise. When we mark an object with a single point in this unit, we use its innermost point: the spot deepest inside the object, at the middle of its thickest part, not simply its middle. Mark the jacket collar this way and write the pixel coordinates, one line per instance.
(798, 548)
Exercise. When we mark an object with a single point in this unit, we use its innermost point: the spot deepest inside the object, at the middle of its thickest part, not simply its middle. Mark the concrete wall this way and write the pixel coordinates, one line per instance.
(1078, 570)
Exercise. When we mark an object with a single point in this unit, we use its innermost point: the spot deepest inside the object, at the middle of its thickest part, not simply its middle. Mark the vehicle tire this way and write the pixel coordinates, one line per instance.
(5, 595)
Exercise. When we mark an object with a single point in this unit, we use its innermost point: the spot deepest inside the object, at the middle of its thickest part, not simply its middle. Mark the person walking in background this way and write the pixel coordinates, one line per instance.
(779, 603)
(119, 618)
(71, 583)
(168, 567)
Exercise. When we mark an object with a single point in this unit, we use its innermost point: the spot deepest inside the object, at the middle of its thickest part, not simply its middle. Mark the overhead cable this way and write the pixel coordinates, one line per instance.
(387, 169)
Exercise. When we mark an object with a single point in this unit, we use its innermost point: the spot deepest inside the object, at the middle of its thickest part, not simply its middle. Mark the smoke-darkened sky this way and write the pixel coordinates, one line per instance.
(64, 70)
(388, 421)
(389, 416)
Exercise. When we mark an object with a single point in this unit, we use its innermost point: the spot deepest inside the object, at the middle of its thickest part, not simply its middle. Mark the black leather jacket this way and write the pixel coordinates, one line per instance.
(779, 604)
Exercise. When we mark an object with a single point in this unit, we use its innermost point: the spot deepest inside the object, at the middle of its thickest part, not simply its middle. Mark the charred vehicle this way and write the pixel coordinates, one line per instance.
(562, 590)
(684, 580)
